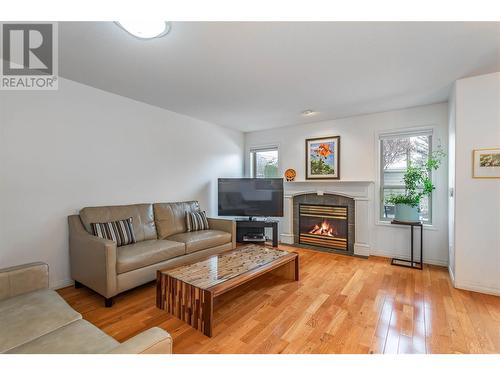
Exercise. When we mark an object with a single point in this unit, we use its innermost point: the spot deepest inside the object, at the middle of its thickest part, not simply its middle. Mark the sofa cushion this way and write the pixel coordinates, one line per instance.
(79, 337)
(120, 231)
(170, 218)
(28, 316)
(143, 220)
(145, 253)
(202, 239)
(196, 221)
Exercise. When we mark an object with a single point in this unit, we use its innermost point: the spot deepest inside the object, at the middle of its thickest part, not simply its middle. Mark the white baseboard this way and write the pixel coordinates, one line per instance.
(61, 284)
(477, 288)
(361, 249)
(386, 254)
(287, 238)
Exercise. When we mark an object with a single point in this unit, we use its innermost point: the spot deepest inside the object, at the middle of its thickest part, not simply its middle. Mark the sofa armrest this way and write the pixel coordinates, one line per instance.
(22, 279)
(153, 341)
(225, 225)
(92, 259)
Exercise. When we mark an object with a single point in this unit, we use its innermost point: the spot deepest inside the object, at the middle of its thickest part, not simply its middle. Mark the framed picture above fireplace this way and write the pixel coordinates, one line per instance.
(323, 158)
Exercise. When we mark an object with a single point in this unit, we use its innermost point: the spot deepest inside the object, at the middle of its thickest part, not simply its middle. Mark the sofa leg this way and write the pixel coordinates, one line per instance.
(108, 302)
(78, 285)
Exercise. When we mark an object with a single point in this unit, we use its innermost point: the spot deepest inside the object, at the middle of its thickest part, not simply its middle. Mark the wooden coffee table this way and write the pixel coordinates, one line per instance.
(188, 291)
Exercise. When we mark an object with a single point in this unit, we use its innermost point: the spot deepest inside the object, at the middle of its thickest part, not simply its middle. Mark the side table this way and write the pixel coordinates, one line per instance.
(405, 262)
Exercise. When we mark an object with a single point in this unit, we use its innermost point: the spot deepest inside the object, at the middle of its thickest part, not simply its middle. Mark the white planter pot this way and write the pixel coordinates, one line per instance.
(405, 212)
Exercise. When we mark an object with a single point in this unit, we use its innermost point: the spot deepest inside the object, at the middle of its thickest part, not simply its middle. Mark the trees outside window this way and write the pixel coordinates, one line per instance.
(397, 152)
(264, 163)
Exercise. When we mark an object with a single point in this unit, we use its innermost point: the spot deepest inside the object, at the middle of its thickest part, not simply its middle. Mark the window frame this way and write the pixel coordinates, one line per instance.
(428, 131)
(253, 160)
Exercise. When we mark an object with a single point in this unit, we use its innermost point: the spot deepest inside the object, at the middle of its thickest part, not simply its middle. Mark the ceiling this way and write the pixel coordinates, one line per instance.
(252, 76)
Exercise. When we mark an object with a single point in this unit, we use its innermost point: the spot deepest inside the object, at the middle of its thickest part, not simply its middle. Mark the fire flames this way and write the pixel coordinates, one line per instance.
(324, 229)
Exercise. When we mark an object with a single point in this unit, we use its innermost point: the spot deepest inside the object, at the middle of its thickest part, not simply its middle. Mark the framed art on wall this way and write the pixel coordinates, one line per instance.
(323, 158)
(486, 163)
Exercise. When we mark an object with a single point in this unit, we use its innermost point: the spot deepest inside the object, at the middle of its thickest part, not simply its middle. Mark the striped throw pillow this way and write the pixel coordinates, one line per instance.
(196, 221)
(120, 231)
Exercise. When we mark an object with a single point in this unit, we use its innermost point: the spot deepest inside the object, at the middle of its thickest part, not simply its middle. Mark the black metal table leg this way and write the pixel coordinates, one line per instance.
(412, 240)
(421, 246)
(275, 234)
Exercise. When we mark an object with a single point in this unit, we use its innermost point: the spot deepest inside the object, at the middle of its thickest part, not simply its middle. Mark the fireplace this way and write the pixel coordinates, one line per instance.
(323, 225)
(324, 222)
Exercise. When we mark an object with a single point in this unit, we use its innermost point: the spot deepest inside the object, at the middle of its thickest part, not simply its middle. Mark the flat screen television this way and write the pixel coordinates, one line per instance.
(250, 197)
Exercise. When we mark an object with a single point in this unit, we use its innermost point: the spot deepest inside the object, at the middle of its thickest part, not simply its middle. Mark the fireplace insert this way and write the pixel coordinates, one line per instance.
(324, 226)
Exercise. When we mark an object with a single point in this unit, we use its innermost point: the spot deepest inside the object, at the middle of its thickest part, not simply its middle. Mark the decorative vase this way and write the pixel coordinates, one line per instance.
(290, 174)
(405, 212)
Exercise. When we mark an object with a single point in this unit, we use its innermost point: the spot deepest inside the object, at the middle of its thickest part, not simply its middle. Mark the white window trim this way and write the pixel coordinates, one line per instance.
(262, 147)
(427, 129)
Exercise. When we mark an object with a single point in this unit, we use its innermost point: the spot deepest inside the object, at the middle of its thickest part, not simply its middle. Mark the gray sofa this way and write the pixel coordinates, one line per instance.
(162, 242)
(35, 319)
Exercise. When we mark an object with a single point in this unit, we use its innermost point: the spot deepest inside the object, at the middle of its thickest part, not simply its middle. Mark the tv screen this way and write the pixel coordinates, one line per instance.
(250, 197)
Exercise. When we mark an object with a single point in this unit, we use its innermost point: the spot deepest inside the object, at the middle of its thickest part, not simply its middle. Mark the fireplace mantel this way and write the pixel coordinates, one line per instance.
(329, 182)
(360, 191)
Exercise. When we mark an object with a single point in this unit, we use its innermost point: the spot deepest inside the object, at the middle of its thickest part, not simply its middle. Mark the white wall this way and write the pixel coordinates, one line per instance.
(79, 146)
(359, 161)
(477, 201)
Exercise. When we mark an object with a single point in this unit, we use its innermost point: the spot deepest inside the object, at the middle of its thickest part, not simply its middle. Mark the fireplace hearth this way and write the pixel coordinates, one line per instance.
(324, 226)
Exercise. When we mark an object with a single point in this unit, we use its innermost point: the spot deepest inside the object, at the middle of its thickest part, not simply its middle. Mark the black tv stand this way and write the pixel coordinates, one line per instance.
(251, 230)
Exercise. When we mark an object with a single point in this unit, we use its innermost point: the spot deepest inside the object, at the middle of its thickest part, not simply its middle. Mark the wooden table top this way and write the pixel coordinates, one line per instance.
(219, 268)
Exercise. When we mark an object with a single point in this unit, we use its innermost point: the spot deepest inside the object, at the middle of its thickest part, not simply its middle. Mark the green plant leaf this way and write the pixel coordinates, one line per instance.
(417, 179)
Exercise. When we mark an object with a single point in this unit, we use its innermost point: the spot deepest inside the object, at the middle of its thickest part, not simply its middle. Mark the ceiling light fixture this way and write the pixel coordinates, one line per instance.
(145, 29)
(308, 112)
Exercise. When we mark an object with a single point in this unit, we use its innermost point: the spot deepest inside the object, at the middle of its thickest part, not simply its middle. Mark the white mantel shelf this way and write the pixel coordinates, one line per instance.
(330, 181)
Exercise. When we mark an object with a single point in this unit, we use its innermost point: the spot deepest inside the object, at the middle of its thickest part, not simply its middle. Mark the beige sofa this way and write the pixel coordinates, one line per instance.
(162, 242)
(35, 319)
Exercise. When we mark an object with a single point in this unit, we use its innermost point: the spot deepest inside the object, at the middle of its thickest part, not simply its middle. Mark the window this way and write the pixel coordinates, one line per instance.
(264, 162)
(396, 152)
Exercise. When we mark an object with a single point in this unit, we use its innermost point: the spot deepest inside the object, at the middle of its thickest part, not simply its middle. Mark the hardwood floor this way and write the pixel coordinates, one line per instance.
(340, 305)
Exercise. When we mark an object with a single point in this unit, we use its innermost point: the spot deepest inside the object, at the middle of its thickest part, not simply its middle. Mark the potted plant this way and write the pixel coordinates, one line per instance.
(418, 184)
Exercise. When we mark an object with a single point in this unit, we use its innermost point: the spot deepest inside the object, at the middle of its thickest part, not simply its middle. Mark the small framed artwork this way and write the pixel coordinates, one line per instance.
(323, 158)
(486, 163)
